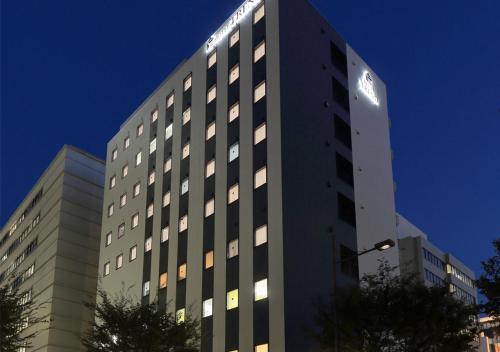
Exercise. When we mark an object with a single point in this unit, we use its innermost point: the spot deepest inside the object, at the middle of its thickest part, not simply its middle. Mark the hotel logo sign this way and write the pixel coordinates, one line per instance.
(367, 86)
(232, 22)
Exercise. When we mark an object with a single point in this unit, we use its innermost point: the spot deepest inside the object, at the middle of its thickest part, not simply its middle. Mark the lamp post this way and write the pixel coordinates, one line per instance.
(380, 246)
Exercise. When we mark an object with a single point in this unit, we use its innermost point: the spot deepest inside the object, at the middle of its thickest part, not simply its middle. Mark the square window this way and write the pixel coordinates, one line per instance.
(183, 223)
(167, 166)
(126, 142)
(234, 151)
(262, 348)
(135, 220)
(125, 171)
(170, 100)
(106, 269)
(114, 154)
(233, 194)
(210, 168)
(148, 244)
(111, 209)
(112, 182)
(259, 51)
(185, 151)
(138, 159)
(180, 316)
(152, 146)
(150, 210)
(186, 116)
(164, 234)
(163, 280)
(123, 200)
(145, 289)
(259, 92)
(234, 38)
(260, 291)
(140, 130)
(182, 272)
(185, 186)
(212, 94)
(257, 16)
(119, 261)
(260, 134)
(209, 260)
(121, 230)
(209, 207)
(232, 249)
(187, 83)
(212, 59)
(151, 178)
(207, 308)
(232, 299)
(154, 116)
(260, 177)
(234, 112)
(234, 73)
(133, 253)
(166, 199)
(168, 131)
(137, 189)
(210, 131)
(109, 237)
(260, 235)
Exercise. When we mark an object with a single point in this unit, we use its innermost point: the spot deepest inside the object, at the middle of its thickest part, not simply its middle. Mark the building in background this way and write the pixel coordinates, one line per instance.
(434, 267)
(50, 248)
(249, 174)
(489, 340)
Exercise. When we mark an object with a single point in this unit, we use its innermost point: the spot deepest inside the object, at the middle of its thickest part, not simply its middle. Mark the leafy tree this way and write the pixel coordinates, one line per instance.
(394, 313)
(489, 284)
(124, 325)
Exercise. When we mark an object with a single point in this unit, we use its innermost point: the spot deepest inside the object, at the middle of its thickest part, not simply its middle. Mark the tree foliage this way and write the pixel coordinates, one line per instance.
(393, 313)
(124, 325)
(489, 284)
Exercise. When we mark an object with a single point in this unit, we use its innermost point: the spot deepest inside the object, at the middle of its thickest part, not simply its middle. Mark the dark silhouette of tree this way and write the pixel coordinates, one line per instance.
(489, 285)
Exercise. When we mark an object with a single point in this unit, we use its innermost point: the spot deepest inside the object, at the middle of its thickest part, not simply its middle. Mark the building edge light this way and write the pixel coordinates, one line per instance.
(230, 24)
(367, 86)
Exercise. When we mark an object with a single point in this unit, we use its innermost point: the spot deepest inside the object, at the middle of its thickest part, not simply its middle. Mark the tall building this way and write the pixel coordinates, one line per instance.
(245, 183)
(420, 257)
(50, 248)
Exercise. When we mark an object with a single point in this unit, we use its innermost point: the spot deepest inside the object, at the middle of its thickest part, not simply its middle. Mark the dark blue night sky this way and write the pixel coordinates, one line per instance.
(73, 71)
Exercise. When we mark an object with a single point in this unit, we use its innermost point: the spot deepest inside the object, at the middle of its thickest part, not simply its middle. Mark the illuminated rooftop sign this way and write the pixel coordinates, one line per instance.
(232, 22)
(367, 86)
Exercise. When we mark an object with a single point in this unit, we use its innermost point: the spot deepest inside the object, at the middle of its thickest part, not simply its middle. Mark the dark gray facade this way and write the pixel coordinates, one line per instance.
(298, 209)
(50, 248)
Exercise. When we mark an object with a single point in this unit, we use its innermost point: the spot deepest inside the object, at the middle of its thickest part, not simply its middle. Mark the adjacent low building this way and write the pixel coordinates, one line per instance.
(489, 340)
(49, 248)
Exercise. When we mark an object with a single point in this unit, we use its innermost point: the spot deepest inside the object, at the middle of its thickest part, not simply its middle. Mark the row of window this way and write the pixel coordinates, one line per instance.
(433, 278)
(24, 276)
(431, 258)
(21, 238)
(462, 294)
(20, 259)
(450, 269)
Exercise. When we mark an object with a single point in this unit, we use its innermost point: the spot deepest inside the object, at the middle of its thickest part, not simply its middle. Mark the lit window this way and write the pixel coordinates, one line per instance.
(109, 238)
(260, 92)
(152, 146)
(209, 259)
(170, 100)
(260, 177)
(164, 234)
(260, 290)
(210, 131)
(260, 134)
(232, 299)
(187, 83)
(212, 94)
(233, 194)
(121, 230)
(145, 289)
(212, 59)
(185, 186)
(183, 223)
(138, 158)
(123, 199)
(166, 199)
(262, 348)
(114, 154)
(137, 189)
(126, 143)
(260, 235)
(151, 178)
(234, 112)
(209, 207)
(257, 16)
(135, 220)
(259, 51)
(168, 131)
(168, 165)
(234, 38)
(150, 210)
(154, 116)
(133, 253)
(140, 130)
(119, 261)
(112, 182)
(232, 249)
(207, 308)
(125, 171)
(180, 316)
(111, 209)
(185, 151)
(234, 151)
(186, 116)
(182, 272)
(148, 244)
(163, 280)
(210, 168)
(234, 74)
(106, 269)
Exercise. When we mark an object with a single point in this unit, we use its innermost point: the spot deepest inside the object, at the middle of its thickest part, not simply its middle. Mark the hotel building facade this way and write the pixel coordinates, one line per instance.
(241, 188)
